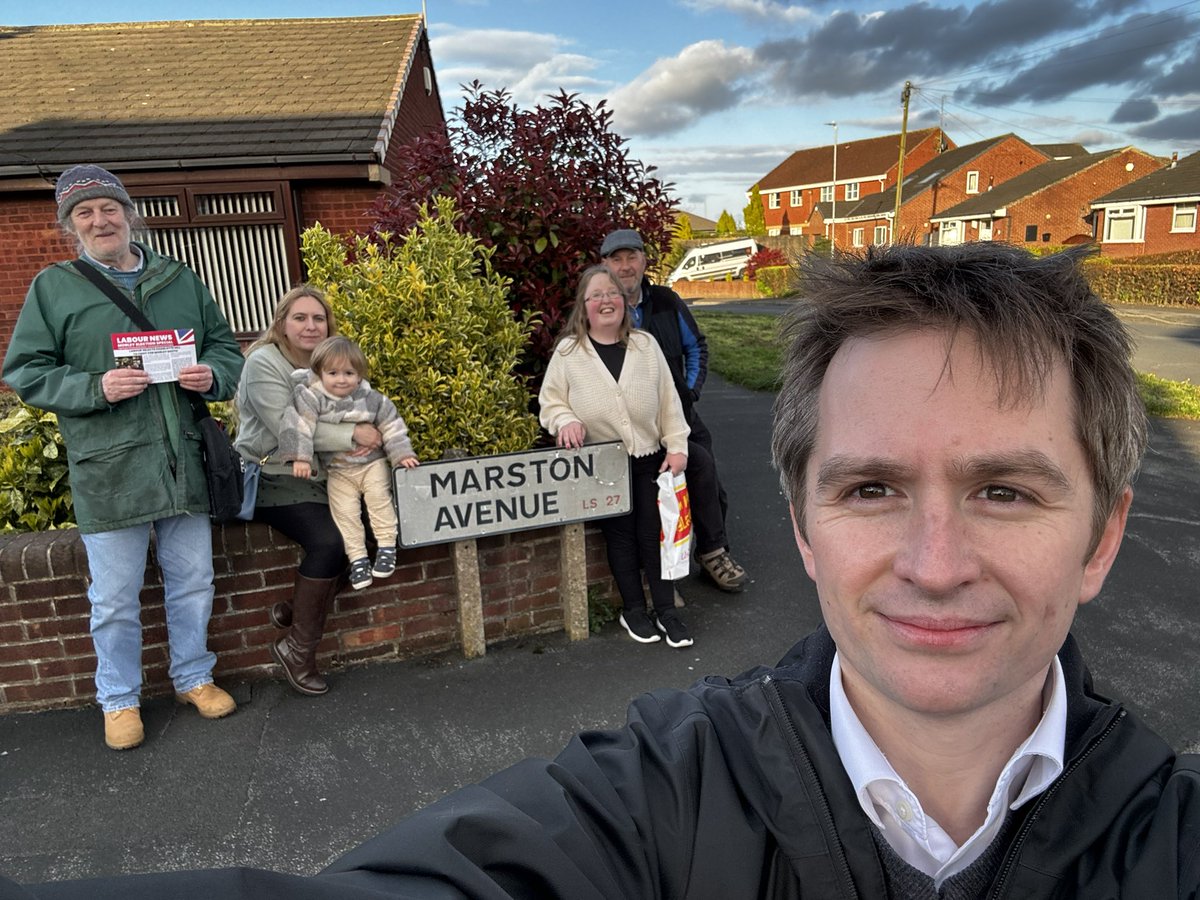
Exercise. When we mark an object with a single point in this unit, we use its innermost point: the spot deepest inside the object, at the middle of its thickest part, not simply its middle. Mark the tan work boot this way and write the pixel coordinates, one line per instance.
(123, 728)
(210, 700)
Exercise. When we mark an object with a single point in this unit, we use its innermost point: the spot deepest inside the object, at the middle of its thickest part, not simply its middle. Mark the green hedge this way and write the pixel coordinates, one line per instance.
(774, 281)
(1157, 285)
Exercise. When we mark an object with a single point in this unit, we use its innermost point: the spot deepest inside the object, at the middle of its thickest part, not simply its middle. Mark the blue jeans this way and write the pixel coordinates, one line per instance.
(117, 560)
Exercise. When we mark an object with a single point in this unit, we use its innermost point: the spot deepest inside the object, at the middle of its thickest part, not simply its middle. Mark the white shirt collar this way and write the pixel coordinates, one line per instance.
(897, 812)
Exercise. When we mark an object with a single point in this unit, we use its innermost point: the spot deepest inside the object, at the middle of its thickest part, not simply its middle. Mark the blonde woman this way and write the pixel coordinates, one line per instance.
(296, 507)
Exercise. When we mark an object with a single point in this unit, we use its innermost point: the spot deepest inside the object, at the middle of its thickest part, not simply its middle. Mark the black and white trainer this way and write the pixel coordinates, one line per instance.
(639, 626)
(676, 632)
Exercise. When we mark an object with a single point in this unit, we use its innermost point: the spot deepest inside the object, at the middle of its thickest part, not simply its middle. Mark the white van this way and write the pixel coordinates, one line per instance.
(714, 261)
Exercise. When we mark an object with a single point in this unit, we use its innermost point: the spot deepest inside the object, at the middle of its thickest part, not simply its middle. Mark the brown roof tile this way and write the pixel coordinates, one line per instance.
(856, 159)
(159, 92)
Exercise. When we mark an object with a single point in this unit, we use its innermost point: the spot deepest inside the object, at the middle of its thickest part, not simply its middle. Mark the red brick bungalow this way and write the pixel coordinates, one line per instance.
(946, 180)
(1048, 204)
(231, 136)
(1155, 214)
(790, 192)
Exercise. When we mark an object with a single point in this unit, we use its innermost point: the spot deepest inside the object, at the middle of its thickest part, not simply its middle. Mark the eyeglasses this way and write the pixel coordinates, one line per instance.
(604, 295)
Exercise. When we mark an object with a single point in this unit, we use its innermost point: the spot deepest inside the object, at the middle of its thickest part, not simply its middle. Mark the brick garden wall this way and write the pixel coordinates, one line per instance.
(46, 657)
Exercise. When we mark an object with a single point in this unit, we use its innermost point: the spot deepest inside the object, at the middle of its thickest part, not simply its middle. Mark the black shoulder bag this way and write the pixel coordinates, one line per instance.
(222, 464)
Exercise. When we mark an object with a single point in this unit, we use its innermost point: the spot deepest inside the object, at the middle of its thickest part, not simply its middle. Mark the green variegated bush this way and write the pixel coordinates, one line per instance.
(434, 321)
(34, 492)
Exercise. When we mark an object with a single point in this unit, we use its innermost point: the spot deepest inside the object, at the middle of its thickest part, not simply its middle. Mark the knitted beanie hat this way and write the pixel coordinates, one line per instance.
(88, 182)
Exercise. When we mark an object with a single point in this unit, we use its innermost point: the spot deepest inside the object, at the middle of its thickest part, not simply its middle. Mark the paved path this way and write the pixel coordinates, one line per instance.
(290, 782)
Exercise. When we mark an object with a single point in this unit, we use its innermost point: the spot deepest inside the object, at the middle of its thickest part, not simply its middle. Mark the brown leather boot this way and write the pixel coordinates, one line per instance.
(281, 614)
(296, 651)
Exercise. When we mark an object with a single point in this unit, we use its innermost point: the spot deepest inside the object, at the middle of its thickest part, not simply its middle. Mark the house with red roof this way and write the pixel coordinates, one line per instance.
(793, 189)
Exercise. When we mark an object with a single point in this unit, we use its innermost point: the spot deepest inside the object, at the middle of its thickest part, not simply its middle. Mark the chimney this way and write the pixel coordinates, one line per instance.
(1174, 159)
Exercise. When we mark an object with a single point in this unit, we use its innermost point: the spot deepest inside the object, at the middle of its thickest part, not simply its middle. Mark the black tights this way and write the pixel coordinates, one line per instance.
(632, 540)
(311, 526)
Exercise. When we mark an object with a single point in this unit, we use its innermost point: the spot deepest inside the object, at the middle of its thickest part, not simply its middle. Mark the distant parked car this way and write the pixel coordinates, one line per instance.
(715, 261)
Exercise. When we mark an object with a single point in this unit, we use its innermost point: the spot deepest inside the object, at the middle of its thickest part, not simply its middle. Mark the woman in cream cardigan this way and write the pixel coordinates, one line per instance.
(608, 382)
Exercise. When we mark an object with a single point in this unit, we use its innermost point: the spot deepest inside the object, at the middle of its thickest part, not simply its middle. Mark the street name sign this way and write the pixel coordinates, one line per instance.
(455, 499)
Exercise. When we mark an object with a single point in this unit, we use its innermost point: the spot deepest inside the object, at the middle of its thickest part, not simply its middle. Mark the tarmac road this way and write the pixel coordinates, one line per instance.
(290, 782)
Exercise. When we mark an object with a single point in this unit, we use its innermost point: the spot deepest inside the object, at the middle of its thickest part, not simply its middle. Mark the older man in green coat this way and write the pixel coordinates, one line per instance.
(132, 445)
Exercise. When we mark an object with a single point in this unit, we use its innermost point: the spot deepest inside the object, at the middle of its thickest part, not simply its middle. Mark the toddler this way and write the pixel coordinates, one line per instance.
(334, 389)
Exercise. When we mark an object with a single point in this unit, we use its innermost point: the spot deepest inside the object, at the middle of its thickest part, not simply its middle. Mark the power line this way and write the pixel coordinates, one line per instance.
(1075, 124)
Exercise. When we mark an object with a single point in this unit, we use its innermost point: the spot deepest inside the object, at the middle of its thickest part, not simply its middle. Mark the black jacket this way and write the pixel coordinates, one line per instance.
(733, 789)
(662, 310)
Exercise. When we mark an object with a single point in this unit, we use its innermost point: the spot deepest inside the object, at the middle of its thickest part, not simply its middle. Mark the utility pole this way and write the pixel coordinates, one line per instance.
(904, 96)
(833, 209)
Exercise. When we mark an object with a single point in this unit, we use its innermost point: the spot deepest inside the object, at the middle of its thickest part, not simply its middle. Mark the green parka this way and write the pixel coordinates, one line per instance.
(137, 460)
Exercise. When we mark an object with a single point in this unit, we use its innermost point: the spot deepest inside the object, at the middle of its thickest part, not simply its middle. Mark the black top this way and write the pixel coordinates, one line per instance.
(612, 355)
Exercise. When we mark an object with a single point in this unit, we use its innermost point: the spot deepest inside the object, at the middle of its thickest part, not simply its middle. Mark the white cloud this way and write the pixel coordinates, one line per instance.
(767, 11)
(674, 92)
(528, 64)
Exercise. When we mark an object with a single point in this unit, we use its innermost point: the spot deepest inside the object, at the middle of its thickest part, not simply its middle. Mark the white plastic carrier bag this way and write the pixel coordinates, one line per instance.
(675, 538)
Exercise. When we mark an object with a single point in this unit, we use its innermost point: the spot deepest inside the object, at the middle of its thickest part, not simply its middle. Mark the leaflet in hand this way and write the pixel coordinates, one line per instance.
(161, 354)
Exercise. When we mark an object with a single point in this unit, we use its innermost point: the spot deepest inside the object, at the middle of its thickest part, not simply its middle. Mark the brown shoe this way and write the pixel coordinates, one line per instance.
(725, 573)
(210, 700)
(123, 728)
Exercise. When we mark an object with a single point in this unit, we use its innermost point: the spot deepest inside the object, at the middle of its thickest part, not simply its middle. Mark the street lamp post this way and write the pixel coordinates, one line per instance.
(833, 208)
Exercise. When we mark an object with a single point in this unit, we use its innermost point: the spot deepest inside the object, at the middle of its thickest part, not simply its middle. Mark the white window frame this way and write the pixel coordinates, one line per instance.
(973, 182)
(1186, 210)
(857, 239)
(881, 235)
(852, 190)
(773, 200)
(827, 193)
(796, 200)
(1135, 215)
(774, 230)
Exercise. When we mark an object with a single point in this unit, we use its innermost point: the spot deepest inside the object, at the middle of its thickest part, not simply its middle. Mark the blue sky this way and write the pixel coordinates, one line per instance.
(715, 93)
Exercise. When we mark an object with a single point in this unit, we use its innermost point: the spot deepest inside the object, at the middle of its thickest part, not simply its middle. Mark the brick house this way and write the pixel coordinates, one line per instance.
(946, 180)
(231, 136)
(790, 192)
(1155, 214)
(1048, 204)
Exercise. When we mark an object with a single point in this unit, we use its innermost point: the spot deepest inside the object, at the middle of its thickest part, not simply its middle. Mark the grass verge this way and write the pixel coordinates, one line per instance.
(744, 349)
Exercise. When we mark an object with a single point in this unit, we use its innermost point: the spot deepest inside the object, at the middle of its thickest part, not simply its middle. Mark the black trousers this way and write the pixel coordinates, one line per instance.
(631, 540)
(704, 495)
(311, 526)
(710, 505)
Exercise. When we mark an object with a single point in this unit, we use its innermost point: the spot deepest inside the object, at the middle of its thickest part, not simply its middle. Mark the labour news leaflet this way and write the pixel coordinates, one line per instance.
(160, 354)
